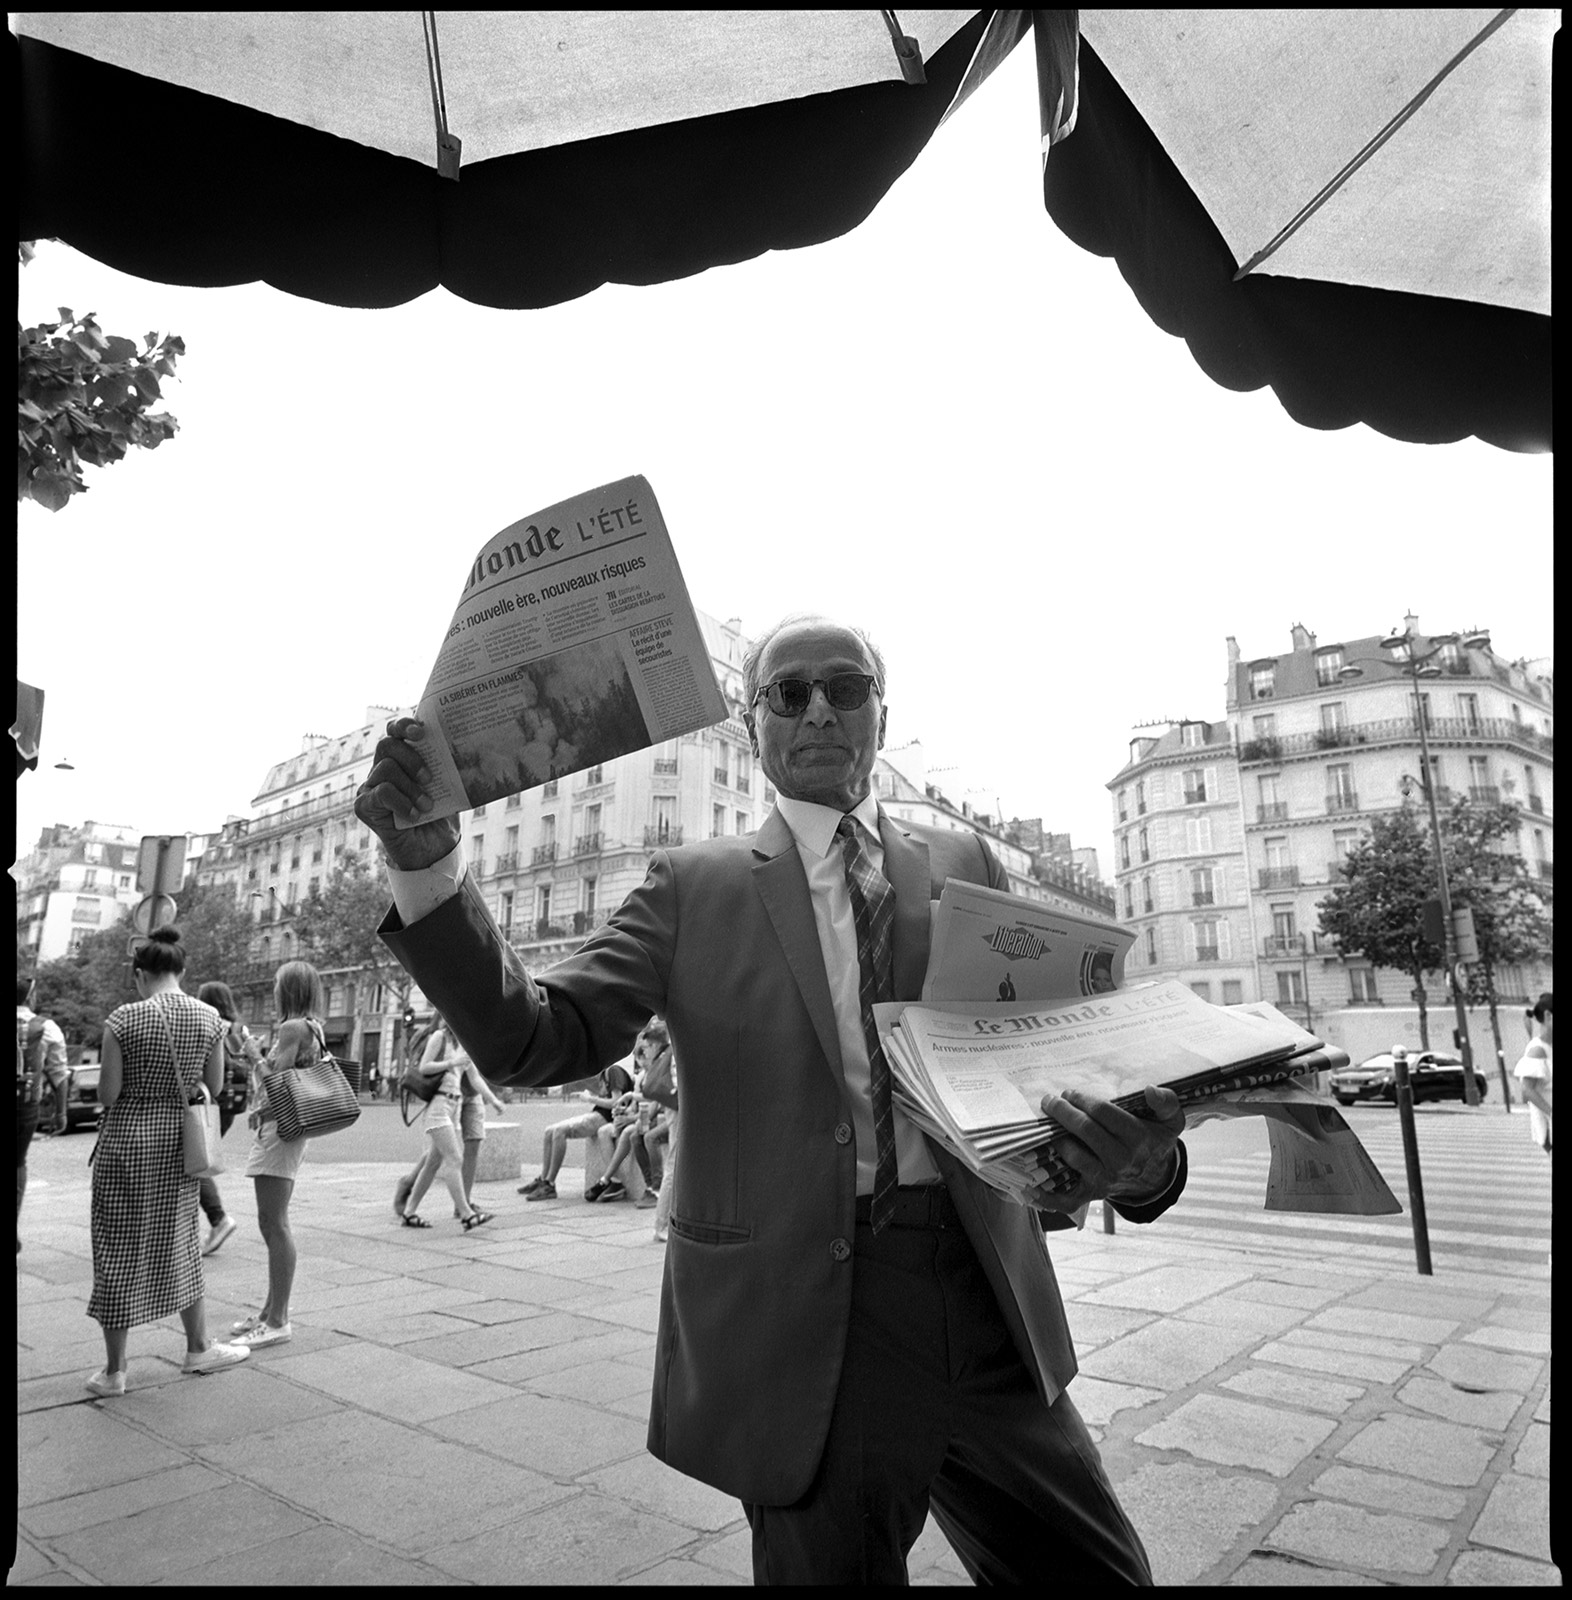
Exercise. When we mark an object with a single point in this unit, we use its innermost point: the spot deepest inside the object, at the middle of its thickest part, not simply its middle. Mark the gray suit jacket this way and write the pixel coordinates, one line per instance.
(720, 939)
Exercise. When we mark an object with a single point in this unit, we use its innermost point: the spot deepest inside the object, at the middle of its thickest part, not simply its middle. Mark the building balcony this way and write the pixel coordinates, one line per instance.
(1280, 946)
(1399, 730)
(341, 801)
(542, 853)
(1484, 794)
(662, 833)
(1277, 811)
(1261, 750)
(507, 863)
(1279, 878)
(1338, 804)
(1200, 897)
(742, 784)
(588, 844)
(1195, 797)
(1536, 804)
(722, 776)
(1208, 952)
(665, 766)
(588, 921)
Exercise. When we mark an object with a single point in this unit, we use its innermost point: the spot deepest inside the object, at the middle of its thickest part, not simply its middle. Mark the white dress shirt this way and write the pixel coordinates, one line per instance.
(813, 827)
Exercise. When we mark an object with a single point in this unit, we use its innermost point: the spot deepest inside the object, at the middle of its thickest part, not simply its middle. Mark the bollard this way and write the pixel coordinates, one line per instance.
(1108, 1217)
(1416, 1191)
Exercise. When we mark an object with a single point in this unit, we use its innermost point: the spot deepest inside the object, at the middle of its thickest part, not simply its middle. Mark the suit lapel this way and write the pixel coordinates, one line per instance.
(783, 889)
(906, 866)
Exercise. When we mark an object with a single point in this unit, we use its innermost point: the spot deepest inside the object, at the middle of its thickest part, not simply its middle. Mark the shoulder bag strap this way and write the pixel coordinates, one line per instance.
(174, 1060)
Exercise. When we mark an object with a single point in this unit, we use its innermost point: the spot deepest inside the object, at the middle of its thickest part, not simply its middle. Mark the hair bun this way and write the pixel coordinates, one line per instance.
(168, 934)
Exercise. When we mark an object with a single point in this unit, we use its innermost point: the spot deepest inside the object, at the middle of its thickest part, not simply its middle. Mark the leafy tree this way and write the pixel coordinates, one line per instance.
(83, 397)
(216, 934)
(1511, 919)
(81, 989)
(1377, 910)
(336, 927)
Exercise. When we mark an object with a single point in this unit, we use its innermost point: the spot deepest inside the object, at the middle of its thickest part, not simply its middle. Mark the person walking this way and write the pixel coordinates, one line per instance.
(1533, 1072)
(157, 1053)
(474, 1097)
(40, 1045)
(274, 1164)
(440, 1123)
(241, 1058)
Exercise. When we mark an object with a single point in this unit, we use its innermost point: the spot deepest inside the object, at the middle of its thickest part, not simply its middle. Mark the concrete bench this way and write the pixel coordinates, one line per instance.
(501, 1153)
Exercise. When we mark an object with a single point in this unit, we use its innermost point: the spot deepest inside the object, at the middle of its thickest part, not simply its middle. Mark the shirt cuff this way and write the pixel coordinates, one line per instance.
(417, 894)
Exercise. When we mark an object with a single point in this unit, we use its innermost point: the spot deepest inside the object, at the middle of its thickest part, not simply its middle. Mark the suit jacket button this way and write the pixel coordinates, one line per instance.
(843, 1133)
(840, 1250)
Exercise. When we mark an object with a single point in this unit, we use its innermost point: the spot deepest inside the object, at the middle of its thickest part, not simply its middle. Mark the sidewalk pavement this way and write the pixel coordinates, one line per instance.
(1284, 1408)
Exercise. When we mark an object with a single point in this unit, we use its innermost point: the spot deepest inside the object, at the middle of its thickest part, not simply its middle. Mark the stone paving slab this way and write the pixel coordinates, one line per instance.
(1439, 1452)
(1516, 1517)
(1386, 1491)
(1235, 1433)
(1304, 1391)
(1382, 1541)
(559, 1438)
(391, 1383)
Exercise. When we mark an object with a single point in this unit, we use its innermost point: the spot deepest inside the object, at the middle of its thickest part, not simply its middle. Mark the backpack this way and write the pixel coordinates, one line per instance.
(416, 1091)
(30, 1053)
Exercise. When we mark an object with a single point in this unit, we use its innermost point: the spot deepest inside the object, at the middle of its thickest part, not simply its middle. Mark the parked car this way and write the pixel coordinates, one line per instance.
(1433, 1075)
(82, 1096)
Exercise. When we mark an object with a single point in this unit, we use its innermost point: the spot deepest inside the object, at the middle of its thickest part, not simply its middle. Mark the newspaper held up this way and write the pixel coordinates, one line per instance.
(574, 642)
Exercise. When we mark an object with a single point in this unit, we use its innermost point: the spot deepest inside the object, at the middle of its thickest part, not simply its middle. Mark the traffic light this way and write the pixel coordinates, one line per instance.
(409, 1017)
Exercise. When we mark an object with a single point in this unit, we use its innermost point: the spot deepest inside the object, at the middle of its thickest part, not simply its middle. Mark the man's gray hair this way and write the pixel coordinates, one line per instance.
(755, 652)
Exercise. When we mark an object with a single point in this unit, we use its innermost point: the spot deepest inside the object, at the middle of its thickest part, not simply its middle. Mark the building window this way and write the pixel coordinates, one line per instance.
(1198, 834)
(717, 821)
(315, 885)
(1262, 680)
(1328, 663)
(1209, 938)
(1290, 987)
(505, 913)
(1194, 786)
(511, 845)
(543, 906)
(1233, 992)
(590, 885)
(1146, 848)
(1340, 794)
(290, 893)
(1204, 989)
(1123, 807)
(744, 822)
(1124, 850)
(1334, 717)
(548, 790)
(1202, 888)
(1479, 787)
(1419, 706)
(1192, 734)
(1283, 929)
(480, 811)
(511, 804)
(1140, 797)
(89, 877)
(1265, 725)
(1151, 947)
(1129, 901)
(1468, 710)
(1146, 893)
(1362, 986)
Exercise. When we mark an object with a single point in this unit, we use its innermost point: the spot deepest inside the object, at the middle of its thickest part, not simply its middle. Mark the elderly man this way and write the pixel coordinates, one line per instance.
(853, 1328)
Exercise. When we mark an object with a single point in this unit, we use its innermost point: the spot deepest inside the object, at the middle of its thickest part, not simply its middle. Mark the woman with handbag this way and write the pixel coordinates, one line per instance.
(240, 1057)
(274, 1162)
(443, 1061)
(157, 1053)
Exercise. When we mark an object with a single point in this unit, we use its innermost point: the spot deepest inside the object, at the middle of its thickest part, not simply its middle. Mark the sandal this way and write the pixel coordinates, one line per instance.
(411, 1220)
(474, 1219)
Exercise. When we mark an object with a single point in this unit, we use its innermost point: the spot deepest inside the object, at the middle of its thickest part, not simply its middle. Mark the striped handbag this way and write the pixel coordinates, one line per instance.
(310, 1101)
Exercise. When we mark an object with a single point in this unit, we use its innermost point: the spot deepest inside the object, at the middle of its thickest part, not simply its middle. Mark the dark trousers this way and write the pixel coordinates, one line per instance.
(935, 1408)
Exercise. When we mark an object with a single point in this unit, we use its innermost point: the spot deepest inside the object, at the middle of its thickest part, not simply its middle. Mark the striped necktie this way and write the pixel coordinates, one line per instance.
(873, 913)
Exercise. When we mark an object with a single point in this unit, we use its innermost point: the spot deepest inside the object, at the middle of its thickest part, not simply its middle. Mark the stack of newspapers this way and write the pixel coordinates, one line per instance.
(1022, 1000)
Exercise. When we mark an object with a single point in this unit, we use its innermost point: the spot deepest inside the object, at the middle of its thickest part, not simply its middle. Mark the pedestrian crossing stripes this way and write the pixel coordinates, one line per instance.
(1486, 1194)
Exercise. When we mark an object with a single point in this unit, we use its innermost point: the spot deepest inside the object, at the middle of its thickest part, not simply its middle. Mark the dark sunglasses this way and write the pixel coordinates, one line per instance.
(789, 697)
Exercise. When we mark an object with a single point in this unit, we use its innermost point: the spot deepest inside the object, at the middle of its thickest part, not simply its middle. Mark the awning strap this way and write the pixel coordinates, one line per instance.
(448, 144)
(1339, 179)
(907, 51)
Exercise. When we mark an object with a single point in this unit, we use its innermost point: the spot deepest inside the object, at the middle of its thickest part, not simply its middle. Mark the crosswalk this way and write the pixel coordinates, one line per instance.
(1486, 1193)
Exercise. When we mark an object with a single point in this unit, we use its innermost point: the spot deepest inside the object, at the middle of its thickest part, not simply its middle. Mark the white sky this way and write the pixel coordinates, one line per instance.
(951, 426)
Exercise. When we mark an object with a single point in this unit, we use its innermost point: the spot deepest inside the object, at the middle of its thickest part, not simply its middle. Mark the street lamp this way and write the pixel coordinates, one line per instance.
(1420, 664)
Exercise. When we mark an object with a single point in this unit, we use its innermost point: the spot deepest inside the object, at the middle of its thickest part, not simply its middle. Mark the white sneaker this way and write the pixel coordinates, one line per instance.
(107, 1383)
(246, 1324)
(215, 1357)
(256, 1338)
(217, 1234)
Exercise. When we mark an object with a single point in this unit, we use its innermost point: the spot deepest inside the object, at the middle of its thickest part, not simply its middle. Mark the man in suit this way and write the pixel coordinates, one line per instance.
(853, 1328)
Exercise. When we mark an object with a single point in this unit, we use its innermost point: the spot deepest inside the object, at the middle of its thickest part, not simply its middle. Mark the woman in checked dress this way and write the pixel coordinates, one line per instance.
(157, 1052)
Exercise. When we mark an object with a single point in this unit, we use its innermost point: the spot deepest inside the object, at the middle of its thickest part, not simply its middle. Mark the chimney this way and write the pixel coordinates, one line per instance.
(1302, 637)
(1411, 623)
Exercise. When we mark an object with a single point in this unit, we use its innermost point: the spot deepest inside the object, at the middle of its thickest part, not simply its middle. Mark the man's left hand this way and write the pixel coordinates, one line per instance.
(1113, 1153)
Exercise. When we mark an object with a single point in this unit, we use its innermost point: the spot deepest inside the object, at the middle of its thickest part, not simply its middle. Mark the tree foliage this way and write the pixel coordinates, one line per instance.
(1377, 910)
(336, 927)
(83, 397)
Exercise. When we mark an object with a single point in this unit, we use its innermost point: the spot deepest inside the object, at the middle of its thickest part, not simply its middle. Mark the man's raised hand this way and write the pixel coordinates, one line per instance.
(393, 790)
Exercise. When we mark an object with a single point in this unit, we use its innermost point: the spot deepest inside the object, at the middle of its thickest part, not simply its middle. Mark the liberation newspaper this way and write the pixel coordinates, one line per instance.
(574, 642)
